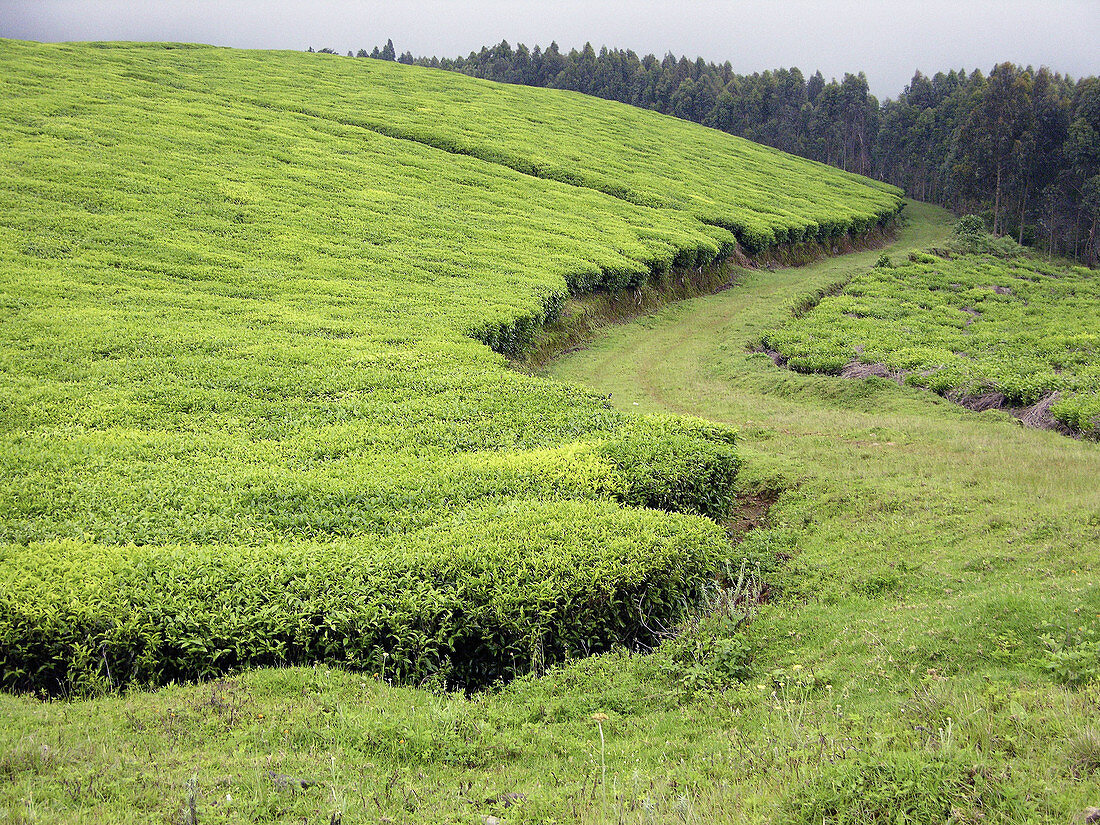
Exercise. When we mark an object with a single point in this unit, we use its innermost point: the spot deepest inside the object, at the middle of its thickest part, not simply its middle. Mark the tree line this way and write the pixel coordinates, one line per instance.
(1020, 146)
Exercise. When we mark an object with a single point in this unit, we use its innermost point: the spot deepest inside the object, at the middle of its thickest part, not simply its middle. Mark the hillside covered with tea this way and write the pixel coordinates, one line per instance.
(988, 331)
(329, 493)
(251, 409)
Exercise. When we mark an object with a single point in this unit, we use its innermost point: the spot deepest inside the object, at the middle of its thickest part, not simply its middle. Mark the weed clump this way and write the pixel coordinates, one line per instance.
(1073, 660)
(1084, 753)
(907, 788)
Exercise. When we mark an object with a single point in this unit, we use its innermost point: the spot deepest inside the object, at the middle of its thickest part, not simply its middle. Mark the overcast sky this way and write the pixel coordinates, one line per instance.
(888, 39)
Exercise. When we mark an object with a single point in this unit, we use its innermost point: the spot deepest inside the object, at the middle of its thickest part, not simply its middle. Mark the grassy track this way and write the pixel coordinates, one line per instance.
(920, 552)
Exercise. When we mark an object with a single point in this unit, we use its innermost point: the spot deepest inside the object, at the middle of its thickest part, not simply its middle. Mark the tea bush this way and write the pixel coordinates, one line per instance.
(494, 592)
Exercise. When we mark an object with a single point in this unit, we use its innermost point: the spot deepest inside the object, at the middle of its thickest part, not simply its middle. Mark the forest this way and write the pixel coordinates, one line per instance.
(1019, 145)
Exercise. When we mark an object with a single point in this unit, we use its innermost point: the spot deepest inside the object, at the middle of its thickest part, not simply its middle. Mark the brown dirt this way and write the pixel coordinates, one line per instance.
(857, 369)
(777, 357)
(1038, 415)
(979, 402)
(750, 512)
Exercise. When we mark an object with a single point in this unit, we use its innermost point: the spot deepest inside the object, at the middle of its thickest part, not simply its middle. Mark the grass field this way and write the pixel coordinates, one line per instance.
(938, 568)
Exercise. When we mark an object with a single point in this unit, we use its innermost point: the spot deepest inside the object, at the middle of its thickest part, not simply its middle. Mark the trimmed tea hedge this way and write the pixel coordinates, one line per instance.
(494, 592)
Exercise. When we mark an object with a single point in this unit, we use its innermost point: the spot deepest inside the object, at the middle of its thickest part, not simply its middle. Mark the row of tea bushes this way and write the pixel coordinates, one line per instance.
(970, 324)
(491, 592)
(764, 196)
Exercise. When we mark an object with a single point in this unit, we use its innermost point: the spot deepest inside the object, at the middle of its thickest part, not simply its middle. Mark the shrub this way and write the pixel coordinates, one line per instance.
(970, 235)
(499, 591)
(689, 468)
(923, 258)
(968, 226)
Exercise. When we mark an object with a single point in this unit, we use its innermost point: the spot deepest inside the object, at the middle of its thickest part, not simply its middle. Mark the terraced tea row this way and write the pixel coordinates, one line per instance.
(764, 196)
(983, 329)
(490, 593)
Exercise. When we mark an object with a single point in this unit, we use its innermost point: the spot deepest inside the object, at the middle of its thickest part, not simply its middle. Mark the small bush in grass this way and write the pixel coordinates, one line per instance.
(923, 258)
(968, 226)
(687, 467)
(1075, 660)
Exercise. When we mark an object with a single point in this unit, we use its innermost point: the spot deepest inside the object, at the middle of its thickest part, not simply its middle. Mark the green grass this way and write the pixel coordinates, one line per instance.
(919, 546)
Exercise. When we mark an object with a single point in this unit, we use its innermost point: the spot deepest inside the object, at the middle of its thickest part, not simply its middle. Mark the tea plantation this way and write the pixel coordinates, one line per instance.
(980, 328)
(251, 412)
(762, 195)
(270, 488)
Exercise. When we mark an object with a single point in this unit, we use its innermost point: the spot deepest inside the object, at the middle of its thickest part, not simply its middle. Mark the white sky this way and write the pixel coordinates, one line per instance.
(888, 39)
